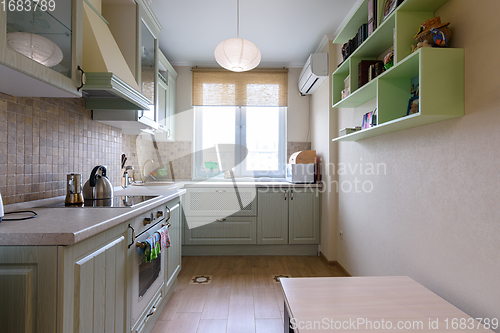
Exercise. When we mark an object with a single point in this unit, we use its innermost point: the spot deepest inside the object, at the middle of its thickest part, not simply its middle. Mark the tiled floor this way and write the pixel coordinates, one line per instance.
(241, 297)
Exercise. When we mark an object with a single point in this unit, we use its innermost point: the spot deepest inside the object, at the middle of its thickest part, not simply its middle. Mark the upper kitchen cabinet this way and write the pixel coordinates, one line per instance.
(41, 48)
(131, 54)
(167, 81)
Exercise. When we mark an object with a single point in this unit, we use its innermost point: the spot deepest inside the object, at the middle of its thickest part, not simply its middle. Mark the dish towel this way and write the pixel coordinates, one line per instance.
(165, 238)
(152, 247)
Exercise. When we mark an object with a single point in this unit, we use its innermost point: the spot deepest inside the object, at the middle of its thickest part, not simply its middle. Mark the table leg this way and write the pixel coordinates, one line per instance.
(286, 322)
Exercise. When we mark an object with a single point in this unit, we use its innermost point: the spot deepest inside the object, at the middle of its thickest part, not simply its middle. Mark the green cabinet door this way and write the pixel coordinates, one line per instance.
(303, 217)
(174, 251)
(272, 217)
(95, 270)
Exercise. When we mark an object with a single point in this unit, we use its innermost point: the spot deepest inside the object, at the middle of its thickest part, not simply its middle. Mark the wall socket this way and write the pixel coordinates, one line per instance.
(341, 235)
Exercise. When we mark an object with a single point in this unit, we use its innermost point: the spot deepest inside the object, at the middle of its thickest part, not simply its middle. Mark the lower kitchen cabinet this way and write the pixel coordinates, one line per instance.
(281, 216)
(224, 231)
(288, 216)
(174, 251)
(303, 217)
(77, 288)
(94, 288)
(272, 217)
(84, 287)
(28, 289)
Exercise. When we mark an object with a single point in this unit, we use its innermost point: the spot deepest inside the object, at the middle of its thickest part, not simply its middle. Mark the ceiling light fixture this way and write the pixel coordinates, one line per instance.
(237, 54)
(36, 47)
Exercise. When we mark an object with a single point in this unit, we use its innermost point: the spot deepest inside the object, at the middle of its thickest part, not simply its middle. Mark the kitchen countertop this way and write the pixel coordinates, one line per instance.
(258, 184)
(67, 226)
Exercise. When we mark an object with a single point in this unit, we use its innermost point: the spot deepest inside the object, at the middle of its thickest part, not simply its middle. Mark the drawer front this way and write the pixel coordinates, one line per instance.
(233, 230)
(221, 202)
(148, 313)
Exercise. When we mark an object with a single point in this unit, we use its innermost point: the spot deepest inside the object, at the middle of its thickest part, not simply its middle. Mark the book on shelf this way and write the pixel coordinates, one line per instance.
(363, 70)
(362, 33)
(372, 16)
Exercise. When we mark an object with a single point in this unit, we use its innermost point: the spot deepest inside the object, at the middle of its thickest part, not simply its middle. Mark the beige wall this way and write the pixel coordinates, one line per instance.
(184, 108)
(323, 127)
(298, 107)
(433, 215)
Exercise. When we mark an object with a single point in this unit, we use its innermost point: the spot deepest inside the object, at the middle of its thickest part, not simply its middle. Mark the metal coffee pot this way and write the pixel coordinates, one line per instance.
(98, 186)
(74, 195)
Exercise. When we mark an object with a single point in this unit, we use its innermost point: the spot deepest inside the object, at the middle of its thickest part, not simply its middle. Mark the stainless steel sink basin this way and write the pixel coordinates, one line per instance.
(155, 183)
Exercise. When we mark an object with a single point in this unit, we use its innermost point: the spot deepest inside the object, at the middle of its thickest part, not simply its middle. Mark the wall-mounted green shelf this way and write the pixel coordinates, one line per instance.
(440, 72)
(441, 84)
(359, 17)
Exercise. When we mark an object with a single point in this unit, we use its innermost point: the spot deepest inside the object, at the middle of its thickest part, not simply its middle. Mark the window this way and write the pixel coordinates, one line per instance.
(240, 122)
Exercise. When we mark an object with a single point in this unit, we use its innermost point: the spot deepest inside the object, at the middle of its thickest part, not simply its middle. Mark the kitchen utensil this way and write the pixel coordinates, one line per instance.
(74, 195)
(124, 159)
(98, 186)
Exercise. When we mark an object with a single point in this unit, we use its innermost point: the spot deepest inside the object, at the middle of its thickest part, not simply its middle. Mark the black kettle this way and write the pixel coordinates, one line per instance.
(98, 186)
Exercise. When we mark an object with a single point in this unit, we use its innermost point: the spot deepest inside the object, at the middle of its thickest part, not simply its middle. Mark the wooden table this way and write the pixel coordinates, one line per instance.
(369, 304)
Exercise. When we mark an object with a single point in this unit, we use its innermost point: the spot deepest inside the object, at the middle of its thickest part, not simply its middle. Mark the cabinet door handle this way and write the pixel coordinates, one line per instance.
(285, 195)
(153, 310)
(291, 195)
(168, 133)
(83, 79)
(220, 220)
(220, 191)
(133, 236)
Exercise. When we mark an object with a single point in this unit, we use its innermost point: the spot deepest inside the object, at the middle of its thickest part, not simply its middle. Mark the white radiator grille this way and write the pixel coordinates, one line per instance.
(201, 201)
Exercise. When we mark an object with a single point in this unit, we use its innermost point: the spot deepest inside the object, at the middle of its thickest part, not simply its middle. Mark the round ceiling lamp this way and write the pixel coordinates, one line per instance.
(237, 54)
(36, 47)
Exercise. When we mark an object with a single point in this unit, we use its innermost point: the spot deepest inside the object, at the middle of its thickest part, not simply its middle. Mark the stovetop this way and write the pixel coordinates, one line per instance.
(118, 201)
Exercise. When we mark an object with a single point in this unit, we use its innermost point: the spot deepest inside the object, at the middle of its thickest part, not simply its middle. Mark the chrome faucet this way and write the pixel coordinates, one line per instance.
(145, 174)
(126, 179)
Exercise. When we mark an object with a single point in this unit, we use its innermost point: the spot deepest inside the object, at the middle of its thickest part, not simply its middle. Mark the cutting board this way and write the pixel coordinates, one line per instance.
(303, 157)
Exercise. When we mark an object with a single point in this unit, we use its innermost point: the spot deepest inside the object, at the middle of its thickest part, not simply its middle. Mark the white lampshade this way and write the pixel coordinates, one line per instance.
(36, 47)
(237, 55)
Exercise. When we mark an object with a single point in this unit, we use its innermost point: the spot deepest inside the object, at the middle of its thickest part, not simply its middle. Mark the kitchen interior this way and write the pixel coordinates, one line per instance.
(150, 183)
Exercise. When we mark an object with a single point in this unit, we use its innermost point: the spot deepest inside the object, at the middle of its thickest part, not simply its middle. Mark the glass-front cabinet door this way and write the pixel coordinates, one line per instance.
(148, 68)
(167, 80)
(163, 100)
(40, 39)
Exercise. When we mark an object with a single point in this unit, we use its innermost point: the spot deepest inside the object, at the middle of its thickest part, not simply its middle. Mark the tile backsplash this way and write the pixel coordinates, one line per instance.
(140, 149)
(293, 147)
(44, 139)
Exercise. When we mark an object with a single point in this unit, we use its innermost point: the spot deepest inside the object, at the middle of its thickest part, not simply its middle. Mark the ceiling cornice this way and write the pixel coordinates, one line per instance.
(322, 44)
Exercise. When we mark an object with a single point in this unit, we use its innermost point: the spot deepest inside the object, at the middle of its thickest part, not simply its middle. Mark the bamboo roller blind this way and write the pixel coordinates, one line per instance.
(258, 87)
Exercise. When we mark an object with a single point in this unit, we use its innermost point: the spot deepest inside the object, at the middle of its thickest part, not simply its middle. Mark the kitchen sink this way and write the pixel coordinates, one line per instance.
(155, 183)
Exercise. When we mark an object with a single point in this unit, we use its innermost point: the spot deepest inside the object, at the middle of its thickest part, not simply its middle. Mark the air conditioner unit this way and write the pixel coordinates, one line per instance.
(315, 71)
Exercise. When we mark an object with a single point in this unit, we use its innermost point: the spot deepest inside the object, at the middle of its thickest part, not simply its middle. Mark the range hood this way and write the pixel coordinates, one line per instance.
(110, 85)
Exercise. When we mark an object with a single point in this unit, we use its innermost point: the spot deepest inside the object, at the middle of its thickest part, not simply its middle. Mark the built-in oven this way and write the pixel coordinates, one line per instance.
(147, 278)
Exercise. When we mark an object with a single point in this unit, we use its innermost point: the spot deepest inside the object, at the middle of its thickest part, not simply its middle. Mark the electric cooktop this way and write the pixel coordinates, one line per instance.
(118, 201)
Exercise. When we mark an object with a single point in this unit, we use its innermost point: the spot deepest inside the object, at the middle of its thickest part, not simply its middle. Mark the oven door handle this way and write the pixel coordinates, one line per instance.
(133, 236)
(169, 213)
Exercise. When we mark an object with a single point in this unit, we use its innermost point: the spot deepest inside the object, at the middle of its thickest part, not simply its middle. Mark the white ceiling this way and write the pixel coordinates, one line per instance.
(286, 31)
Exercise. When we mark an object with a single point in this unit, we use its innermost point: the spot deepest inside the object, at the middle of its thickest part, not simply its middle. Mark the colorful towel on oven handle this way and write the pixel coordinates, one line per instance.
(148, 249)
(164, 238)
(153, 247)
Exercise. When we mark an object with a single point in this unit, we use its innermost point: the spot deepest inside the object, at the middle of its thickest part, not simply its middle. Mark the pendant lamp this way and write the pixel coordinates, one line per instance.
(36, 47)
(237, 54)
